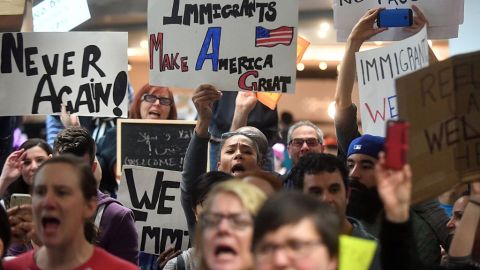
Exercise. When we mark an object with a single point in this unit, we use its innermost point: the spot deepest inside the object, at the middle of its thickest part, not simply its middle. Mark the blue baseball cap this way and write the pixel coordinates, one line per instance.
(367, 144)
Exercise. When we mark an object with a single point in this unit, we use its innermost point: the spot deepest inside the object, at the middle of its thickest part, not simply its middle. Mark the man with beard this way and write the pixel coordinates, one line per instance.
(361, 154)
(326, 178)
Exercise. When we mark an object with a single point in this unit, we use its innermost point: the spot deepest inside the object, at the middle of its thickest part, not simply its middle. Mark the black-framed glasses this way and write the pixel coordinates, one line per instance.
(298, 142)
(152, 98)
(238, 221)
(296, 249)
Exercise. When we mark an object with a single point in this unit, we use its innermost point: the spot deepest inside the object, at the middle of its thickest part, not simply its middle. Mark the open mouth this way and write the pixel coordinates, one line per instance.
(237, 168)
(50, 224)
(154, 114)
(225, 250)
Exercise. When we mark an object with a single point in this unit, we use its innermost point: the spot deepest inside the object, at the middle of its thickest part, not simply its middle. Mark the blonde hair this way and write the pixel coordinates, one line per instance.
(251, 197)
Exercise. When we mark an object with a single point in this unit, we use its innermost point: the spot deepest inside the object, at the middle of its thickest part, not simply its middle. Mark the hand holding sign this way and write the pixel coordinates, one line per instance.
(203, 98)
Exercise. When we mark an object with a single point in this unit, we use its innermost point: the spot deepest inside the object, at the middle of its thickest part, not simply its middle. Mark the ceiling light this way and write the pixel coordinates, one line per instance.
(325, 26)
(144, 44)
(323, 65)
(331, 109)
(300, 66)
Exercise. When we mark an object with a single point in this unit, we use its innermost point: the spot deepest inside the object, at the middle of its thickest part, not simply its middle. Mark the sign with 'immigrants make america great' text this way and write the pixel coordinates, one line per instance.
(86, 71)
(232, 44)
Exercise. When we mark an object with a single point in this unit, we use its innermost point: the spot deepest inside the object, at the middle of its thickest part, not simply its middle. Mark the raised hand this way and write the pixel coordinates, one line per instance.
(395, 189)
(166, 256)
(203, 98)
(365, 27)
(419, 20)
(12, 169)
(69, 120)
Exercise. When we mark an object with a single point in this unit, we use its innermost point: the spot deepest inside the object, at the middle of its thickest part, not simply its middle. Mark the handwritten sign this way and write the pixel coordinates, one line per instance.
(442, 15)
(87, 71)
(154, 197)
(377, 70)
(356, 253)
(235, 46)
(59, 15)
(160, 144)
(442, 103)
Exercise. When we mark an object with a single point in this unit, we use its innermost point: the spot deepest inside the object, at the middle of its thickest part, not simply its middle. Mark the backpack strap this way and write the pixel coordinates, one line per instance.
(99, 215)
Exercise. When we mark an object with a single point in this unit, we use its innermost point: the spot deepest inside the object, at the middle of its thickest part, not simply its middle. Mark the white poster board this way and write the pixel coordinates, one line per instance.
(154, 197)
(377, 70)
(230, 44)
(443, 15)
(59, 15)
(87, 71)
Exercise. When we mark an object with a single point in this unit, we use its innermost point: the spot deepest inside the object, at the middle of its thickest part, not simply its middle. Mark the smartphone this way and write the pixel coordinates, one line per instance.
(400, 17)
(20, 199)
(396, 144)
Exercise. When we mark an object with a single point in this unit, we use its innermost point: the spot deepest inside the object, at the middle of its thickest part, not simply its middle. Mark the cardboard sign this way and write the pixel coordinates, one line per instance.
(442, 104)
(442, 15)
(59, 15)
(11, 14)
(154, 197)
(87, 71)
(356, 253)
(376, 73)
(230, 44)
(160, 144)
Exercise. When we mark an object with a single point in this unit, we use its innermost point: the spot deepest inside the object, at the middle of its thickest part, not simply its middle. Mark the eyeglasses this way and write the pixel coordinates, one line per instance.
(298, 142)
(152, 98)
(295, 249)
(236, 221)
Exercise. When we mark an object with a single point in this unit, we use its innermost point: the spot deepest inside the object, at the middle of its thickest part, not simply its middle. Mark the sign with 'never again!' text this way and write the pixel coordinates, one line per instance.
(86, 71)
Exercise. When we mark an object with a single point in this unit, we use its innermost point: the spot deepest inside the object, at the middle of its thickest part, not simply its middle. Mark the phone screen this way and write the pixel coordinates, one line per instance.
(401, 17)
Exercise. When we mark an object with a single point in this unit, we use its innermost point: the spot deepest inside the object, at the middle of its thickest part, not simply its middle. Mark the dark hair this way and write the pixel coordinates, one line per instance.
(137, 101)
(286, 117)
(290, 207)
(205, 183)
(313, 163)
(20, 186)
(251, 136)
(88, 184)
(76, 141)
(4, 231)
(270, 177)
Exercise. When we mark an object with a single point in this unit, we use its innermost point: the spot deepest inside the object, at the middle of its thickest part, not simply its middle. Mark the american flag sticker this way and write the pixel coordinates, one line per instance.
(270, 38)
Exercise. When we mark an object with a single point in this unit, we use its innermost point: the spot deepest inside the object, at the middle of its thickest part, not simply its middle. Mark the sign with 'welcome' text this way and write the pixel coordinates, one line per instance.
(234, 45)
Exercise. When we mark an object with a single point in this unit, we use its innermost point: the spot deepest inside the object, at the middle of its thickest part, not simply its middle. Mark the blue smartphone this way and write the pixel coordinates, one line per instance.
(400, 17)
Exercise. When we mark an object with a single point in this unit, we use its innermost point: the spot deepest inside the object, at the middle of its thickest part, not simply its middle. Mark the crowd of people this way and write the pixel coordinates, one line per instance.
(241, 214)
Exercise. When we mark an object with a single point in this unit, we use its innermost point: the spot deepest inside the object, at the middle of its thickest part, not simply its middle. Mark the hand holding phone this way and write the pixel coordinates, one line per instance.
(396, 144)
(18, 199)
(400, 17)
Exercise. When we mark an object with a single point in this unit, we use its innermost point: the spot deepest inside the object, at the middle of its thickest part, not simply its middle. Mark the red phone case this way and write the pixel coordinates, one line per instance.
(396, 144)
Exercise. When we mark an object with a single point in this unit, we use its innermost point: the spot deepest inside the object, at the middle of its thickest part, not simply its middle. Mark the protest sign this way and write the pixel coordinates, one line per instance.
(234, 46)
(158, 144)
(87, 71)
(376, 73)
(356, 253)
(441, 15)
(442, 104)
(11, 14)
(154, 197)
(59, 15)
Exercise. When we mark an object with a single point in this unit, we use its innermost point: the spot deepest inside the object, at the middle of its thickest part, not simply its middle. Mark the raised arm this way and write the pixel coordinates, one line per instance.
(244, 104)
(363, 30)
